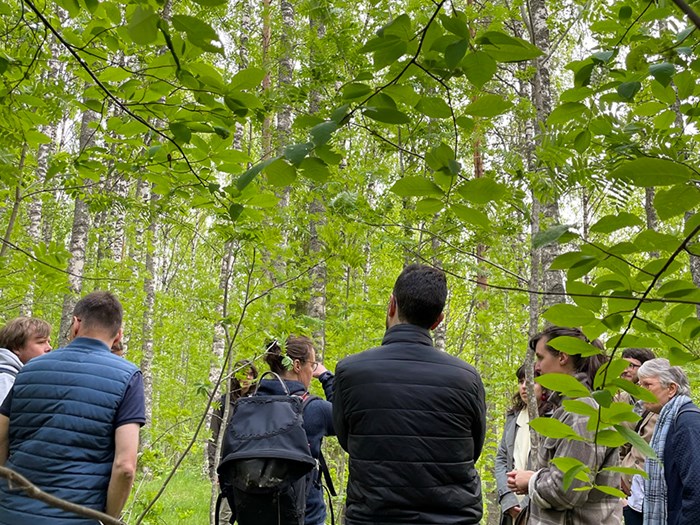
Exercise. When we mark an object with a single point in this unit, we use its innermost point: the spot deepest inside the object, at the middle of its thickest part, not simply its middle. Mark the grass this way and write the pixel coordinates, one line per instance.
(184, 502)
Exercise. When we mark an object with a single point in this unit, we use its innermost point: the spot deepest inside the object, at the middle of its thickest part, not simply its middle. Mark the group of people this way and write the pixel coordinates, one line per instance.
(69, 419)
(412, 419)
(663, 490)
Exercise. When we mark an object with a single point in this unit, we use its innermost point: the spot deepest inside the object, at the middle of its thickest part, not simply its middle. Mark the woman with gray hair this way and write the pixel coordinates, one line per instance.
(672, 491)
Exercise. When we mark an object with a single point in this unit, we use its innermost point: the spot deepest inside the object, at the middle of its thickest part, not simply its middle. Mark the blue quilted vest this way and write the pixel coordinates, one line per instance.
(62, 431)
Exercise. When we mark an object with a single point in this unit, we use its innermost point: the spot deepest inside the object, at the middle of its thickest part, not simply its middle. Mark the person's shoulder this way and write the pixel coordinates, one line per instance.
(355, 359)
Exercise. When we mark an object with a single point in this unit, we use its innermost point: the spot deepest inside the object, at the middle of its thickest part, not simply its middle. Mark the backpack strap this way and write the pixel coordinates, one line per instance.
(323, 466)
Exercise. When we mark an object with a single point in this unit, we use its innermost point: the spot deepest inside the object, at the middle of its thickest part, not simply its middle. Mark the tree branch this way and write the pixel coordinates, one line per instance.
(18, 482)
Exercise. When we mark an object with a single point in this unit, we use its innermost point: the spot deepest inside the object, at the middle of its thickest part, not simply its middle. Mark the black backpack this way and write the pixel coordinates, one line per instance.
(266, 460)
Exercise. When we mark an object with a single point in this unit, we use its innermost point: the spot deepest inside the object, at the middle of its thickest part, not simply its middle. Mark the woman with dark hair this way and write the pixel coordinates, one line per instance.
(550, 502)
(514, 449)
(296, 365)
(244, 373)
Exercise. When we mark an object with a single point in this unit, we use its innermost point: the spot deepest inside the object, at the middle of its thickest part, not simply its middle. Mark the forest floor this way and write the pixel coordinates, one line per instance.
(184, 502)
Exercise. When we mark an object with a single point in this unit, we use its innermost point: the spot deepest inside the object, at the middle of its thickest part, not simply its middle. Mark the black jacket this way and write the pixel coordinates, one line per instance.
(413, 420)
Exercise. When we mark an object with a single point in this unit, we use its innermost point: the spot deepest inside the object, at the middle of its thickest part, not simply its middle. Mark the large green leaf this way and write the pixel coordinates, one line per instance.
(482, 190)
(455, 52)
(488, 106)
(434, 107)
(441, 158)
(505, 48)
(651, 171)
(568, 315)
(314, 169)
(550, 427)
(414, 186)
(564, 383)
(143, 25)
(574, 345)
(479, 67)
(386, 115)
(617, 221)
(676, 200)
(553, 234)
(470, 215)
(280, 173)
(566, 112)
(663, 72)
(355, 90)
(248, 78)
(198, 32)
(637, 441)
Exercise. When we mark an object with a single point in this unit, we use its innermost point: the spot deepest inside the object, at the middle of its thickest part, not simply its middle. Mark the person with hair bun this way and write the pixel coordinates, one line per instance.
(514, 449)
(296, 365)
(551, 503)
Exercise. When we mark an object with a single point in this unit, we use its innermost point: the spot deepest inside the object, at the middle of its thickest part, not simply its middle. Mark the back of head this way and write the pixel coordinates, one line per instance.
(17, 332)
(100, 312)
(420, 293)
(281, 361)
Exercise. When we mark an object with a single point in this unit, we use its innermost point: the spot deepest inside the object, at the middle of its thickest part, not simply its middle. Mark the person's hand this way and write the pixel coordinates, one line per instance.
(514, 511)
(518, 480)
(320, 370)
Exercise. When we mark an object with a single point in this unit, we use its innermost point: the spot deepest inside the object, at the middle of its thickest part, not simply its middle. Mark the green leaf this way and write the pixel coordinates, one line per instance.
(543, 238)
(627, 90)
(566, 112)
(479, 67)
(611, 223)
(198, 32)
(392, 49)
(355, 90)
(470, 215)
(568, 315)
(429, 206)
(553, 428)
(455, 52)
(314, 169)
(577, 287)
(676, 200)
(505, 48)
(143, 25)
(455, 24)
(637, 441)
(564, 383)
(321, 133)
(440, 157)
(297, 152)
(329, 156)
(386, 115)
(181, 132)
(482, 190)
(248, 78)
(662, 72)
(414, 186)
(434, 107)
(580, 407)
(249, 175)
(612, 491)
(609, 370)
(582, 141)
(574, 345)
(280, 173)
(488, 106)
(652, 171)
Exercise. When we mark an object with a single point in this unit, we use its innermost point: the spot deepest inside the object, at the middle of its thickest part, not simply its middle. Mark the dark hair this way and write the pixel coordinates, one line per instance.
(420, 293)
(17, 331)
(587, 365)
(101, 311)
(296, 347)
(640, 354)
(543, 404)
(235, 386)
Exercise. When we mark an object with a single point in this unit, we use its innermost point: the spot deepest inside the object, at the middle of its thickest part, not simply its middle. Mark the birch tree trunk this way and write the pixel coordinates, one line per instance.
(78, 240)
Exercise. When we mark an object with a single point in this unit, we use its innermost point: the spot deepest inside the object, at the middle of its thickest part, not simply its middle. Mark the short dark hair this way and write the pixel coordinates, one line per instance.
(420, 293)
(640, 354)
(17, 331)
(100, 310)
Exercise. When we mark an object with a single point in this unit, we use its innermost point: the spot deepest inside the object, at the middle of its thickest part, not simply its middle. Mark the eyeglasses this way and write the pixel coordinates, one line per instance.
(314, 366)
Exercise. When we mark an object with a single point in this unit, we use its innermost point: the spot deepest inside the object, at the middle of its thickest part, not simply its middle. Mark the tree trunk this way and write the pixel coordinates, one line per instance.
(78, 240)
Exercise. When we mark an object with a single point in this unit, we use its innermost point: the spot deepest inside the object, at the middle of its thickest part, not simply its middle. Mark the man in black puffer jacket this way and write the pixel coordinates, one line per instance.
(411, 417)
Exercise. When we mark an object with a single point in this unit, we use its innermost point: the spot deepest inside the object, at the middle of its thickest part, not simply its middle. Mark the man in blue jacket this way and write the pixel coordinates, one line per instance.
(71, 422)
(411, 417)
